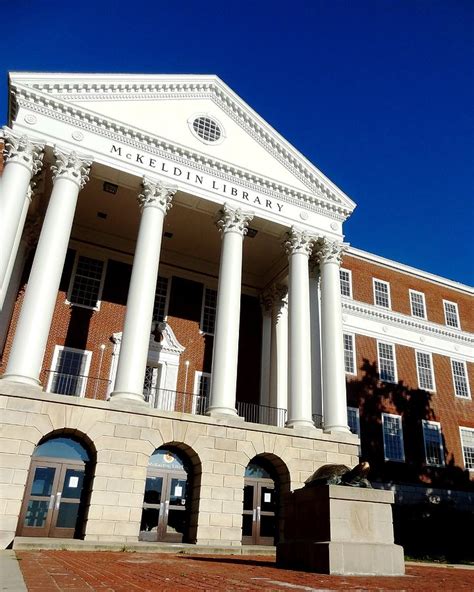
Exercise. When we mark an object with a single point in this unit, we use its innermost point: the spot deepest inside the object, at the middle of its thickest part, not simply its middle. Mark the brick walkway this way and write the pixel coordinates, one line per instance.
(77, 571)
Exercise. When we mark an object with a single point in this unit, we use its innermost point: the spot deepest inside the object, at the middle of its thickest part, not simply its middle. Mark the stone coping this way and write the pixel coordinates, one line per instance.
(23, 391)
(360, 494)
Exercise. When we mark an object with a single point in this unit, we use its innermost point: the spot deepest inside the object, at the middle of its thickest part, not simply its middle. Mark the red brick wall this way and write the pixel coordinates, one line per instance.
(400, 284)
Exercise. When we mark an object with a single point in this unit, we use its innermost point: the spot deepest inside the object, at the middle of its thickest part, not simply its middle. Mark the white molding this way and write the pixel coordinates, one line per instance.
(354, 356)
(422, 294)
(389, 297)
(394, 354)
(466, 377)
(461, 428)
(433, 374)
(458, 328)
(408, 270)
(86, 253)
(87, 353)
(349, 272)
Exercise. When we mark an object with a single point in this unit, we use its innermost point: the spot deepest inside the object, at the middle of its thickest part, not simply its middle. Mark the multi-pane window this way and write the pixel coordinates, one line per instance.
(467, 444)
(417, 303)
(353, 420)
(387, 369)
(160, 299)
(433, 443)
(393, 437)
(425, 371)
(349, 354)
(87, 282)
(451, 314)
(461, 385)
(346, 282)
(202, 384)
(69, 371)
(209, 311)
(382, 293)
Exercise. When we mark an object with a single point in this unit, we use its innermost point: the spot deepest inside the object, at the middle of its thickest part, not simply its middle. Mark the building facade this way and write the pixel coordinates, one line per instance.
(185, 335)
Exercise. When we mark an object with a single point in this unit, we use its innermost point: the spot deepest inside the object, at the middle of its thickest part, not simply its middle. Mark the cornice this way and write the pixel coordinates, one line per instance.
(368, 311)
(221, 95)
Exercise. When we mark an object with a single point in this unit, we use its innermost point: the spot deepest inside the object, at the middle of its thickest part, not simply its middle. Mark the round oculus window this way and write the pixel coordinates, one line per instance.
(207, 129)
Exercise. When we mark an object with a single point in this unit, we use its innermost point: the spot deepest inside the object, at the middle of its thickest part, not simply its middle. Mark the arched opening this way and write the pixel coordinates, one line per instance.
(266, 480)
(169, 503)
(58, 488)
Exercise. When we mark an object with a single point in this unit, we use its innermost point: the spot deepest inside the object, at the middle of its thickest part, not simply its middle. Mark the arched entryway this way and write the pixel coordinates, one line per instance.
(167, 502)
(57, 489)
(262, 490)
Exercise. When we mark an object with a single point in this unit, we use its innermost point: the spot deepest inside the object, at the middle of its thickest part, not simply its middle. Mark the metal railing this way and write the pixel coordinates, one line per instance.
(262, 414)
(76, 385)
(169, 400)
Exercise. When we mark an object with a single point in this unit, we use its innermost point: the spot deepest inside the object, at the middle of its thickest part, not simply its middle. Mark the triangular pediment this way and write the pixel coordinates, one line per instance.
(165, 108)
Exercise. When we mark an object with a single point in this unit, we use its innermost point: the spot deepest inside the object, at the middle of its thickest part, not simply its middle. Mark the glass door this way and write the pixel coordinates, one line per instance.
(259, 512)
(151, 507)
(67, 501)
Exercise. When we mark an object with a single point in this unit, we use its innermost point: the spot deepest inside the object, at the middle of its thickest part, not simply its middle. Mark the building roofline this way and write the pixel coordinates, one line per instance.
(401, 267)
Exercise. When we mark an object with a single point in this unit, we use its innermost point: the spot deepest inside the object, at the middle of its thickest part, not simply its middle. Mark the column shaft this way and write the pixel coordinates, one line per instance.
(265, 358)
(279, 359)
(299, 343)
(316, 378)
(155, 201)
(334, 381)
(31, 335)
(233, 224)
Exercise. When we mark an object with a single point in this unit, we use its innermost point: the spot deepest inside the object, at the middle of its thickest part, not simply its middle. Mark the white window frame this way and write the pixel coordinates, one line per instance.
(389, 297)
(458, 326)
(203, 307)
(349, 272)
(466, 429)
(466, 376)
(73, 277)
(430, 356)
(167, 296)
(417, 293)
(426, 422)
(197, 378)
(399, 419)
(357, 416)
(54, 363)
(353, 353)
(395, 369)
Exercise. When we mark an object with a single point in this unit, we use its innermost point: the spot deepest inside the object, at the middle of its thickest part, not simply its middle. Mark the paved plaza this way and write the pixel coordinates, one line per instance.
(78, 571)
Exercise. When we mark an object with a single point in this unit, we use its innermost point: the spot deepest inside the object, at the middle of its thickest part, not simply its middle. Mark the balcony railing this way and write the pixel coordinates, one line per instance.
(76, 385)
(168, 400)
(262, 414)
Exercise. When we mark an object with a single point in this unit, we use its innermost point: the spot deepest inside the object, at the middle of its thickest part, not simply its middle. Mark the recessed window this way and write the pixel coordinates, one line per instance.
(207, 129)
(161, 295)
(349, 354)
(467, 444)
(346, 282)
(382, 293)
(209, 311)
(424, 369)
(86, 282)
(353, 420)
(202, 390)
(69, 371)
(417, 303)
(434, 453)
(387, 362)
(461, 385)
(451, 314)
(393, 437)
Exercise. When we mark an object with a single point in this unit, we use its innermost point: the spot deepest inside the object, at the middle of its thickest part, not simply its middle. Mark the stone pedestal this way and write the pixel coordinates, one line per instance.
(335, 529)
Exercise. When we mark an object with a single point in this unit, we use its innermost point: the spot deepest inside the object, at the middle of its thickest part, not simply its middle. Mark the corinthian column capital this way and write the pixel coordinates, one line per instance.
(156, 194)
(71, 166)
(274, 298)
(21, 150)
(330, 251)
(233, 220)
(299, 242)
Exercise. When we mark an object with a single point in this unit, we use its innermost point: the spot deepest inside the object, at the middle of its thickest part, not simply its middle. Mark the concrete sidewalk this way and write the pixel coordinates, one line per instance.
(79, 571)
(11, 578)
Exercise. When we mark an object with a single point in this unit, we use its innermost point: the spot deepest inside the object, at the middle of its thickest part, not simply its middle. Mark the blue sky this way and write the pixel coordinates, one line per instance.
(378, 94)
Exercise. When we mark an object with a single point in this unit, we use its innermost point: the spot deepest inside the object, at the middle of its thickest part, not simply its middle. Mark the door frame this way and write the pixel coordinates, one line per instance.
(258, 484)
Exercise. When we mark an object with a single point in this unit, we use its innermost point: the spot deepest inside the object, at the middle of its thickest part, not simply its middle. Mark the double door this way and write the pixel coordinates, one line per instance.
(52, 503)
(259, 526)
(164, 514)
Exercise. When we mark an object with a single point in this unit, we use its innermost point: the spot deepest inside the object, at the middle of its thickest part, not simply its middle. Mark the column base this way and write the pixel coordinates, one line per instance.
(19, 378)
(300, 423)
(221, 411)
(336, 428)
(127, 397)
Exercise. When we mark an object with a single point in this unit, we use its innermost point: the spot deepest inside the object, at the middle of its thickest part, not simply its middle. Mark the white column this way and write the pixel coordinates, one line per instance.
(329, 254)
(26, 357)
(266, 304)
(316, 378)
(23, 159)
(279, 351)
(298, 246)
(233, 225)
(155, 201)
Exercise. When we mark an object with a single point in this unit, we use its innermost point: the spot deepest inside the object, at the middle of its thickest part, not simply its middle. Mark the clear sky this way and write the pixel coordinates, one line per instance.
(378, 94)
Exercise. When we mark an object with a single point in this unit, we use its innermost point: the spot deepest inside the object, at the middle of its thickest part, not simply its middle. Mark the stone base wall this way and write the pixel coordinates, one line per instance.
(124, 437)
